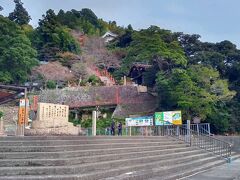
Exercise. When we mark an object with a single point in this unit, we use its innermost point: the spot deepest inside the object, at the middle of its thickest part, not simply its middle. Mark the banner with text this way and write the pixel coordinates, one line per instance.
(139, 121)
(22, 113)
(167, 118)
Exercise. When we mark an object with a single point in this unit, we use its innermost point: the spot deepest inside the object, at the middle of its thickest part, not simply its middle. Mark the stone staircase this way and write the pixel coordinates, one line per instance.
(104, 76)
(111, 158)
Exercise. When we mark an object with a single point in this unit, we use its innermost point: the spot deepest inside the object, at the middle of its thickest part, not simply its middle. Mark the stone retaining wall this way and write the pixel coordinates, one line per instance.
(10, 118)
(128, 99)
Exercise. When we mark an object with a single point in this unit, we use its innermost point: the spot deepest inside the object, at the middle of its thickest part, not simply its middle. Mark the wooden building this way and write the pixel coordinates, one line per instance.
(136, 72)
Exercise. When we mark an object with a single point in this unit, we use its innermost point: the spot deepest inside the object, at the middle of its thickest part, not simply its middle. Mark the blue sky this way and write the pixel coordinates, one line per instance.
(214, 20)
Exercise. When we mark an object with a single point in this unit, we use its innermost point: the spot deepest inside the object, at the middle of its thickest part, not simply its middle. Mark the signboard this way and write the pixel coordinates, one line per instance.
(22, 103)
(168, 117)
(140, 121)
(21, 112)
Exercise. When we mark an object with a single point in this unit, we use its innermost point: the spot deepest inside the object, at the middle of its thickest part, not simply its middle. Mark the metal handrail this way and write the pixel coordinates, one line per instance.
(191, 137)
(203, 127)
(197, 139)
(205, 131)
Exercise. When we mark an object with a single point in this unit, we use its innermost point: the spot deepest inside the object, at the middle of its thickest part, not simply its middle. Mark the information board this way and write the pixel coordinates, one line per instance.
(140, 121)
(168, 117)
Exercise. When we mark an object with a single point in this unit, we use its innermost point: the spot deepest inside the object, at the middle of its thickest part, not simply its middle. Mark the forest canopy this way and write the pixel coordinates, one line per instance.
(200, 78)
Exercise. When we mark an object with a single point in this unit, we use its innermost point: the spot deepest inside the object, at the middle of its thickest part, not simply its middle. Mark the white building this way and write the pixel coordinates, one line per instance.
(109, 36)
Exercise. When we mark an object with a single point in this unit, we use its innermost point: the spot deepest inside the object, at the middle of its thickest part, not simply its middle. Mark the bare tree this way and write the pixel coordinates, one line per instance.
(79, 70)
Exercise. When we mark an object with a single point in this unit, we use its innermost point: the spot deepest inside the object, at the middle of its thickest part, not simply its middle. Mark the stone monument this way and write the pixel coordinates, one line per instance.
(52, 119)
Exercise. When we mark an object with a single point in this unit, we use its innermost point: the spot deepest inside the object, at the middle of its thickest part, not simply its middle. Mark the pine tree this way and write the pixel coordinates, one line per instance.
(20, 14)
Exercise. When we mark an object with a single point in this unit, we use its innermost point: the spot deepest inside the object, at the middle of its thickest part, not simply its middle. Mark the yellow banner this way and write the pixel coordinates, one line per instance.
(21, 112)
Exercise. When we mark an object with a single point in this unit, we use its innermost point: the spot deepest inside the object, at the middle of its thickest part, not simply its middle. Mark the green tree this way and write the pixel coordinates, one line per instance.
(89, 15)
(125, 39)
(195, 90)
(84, 20)
(17, 57)
(190, 43)
(152, 45)
(20, 14)
(220, 119)
(223, 56)
(54, 38)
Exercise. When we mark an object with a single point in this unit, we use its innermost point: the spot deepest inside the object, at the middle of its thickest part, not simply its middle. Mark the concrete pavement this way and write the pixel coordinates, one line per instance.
(224, 172)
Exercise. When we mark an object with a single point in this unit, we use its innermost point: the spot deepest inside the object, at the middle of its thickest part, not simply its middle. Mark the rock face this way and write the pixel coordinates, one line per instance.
(125, 96)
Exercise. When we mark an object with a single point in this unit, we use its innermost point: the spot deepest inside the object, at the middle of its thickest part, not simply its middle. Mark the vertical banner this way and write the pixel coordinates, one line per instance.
(21, 112)
(34, 105)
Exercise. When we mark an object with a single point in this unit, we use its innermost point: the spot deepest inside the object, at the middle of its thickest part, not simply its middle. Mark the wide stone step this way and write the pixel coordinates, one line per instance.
(102, 157)
(29, 138)
(176, 171)
(81, 147)
(99, 166)
(76, 142)
(169, 172)
(101, 172)
(192, 170)
(82, 153)
(98, 158)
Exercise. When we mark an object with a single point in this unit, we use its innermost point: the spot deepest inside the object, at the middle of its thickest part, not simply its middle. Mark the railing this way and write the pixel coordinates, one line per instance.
(203, 128)
(197, 139)
(126, 131)
(103, 132)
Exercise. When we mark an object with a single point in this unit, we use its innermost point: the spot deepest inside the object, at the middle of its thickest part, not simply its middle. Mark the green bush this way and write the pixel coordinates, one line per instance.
(94, 80)
(1, 114)
(73, 120)
(101, 123)
(51, 84)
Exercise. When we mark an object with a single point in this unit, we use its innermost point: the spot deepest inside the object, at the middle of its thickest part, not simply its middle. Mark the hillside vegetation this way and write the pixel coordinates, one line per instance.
(200, 78)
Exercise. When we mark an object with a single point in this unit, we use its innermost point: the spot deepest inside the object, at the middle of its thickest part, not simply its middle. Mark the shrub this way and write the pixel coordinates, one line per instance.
(1, 114)
(51, 84)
